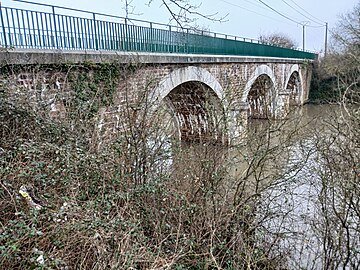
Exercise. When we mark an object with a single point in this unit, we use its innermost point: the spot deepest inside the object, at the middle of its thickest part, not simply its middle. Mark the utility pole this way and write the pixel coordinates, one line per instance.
(326, 38)
(303, 37)
(303, 30)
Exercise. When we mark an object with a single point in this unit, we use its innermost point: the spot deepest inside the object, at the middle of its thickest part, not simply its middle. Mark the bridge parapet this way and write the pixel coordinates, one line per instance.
(31, 29)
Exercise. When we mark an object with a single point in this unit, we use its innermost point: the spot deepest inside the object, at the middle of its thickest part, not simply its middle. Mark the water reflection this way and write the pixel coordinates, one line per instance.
(271, 180)
(289, 208)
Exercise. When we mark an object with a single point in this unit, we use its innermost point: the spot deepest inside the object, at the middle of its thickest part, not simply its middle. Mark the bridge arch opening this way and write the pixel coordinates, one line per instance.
(191, 111)
(294, 88)
(196, 101)
(260, 98)
(198, 112)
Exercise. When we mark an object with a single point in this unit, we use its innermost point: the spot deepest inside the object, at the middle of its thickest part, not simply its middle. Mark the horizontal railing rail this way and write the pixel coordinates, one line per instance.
(26, 28)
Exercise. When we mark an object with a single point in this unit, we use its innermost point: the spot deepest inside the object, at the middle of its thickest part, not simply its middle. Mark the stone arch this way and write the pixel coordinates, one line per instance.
(198, 112)
(294, 86)
(260, 70)
(187, 74)
(259, 93)
(197, 100)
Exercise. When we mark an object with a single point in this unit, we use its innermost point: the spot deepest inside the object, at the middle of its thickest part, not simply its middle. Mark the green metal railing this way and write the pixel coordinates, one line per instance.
(24, 28)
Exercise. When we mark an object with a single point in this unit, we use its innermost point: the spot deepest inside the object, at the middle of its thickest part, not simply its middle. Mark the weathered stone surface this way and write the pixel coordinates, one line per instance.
(41, 79)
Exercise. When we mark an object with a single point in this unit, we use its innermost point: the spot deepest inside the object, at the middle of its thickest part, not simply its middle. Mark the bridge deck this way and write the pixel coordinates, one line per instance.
(50, 56)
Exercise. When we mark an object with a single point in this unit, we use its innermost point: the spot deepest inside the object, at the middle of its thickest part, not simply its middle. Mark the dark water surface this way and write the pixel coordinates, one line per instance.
(275, 168)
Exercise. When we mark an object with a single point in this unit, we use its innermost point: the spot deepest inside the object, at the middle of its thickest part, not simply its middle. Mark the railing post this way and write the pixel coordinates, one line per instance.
(95, 33)
(170, 41)
(187, 41)
(3, 26)
(127, 39)
(152, 45)
(55, 27)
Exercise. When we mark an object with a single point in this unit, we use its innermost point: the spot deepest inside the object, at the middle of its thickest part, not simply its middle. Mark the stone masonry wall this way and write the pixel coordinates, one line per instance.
(50, 89)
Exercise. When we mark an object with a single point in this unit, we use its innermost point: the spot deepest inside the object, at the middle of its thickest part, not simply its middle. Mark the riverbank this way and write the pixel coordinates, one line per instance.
(140, 206)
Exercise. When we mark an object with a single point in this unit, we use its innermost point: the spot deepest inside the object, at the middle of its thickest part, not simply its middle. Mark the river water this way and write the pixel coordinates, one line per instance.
(277, 168)
(294, 208)
(294, 197)
(276, 174)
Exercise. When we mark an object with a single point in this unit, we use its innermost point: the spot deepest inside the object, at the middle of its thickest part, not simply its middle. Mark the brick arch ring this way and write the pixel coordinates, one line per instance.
(294, 68)
(260, 70)
(183, 75)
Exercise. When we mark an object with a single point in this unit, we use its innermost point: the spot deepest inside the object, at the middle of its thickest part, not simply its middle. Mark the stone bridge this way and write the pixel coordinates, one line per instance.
(208, 96)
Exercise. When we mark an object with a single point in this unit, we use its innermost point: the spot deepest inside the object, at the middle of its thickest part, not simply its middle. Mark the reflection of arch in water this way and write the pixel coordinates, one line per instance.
(293, 86)
(195, 98)
(259, 93)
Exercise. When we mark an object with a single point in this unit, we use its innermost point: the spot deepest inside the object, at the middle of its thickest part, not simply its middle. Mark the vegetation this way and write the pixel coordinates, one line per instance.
(338, 73)
(339, 148)
(278, 39)
(132, 205)
(324, 87)
(139, 204)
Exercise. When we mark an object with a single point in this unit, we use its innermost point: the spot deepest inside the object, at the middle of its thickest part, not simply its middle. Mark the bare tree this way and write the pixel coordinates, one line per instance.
(129, 8)
(184, 12)
(344, 60)
(338, 146)
(278, 39)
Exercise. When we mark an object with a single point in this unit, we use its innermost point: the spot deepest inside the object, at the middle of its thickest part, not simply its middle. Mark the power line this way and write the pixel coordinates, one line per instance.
(303, 24)
(235, 5)
(272, 18)
(282, 15)
(255, 4)
(301, 13)
(307, 12)
(287, 17)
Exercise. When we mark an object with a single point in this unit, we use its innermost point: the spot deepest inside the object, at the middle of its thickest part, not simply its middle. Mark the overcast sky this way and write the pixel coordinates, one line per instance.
(246, 18)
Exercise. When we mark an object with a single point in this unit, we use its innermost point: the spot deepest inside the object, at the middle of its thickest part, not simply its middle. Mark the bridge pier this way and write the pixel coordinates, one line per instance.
(282, 105)
(237, 118)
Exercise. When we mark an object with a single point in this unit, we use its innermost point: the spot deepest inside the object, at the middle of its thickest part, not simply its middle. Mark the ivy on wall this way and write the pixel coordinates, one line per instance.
(94, 86)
